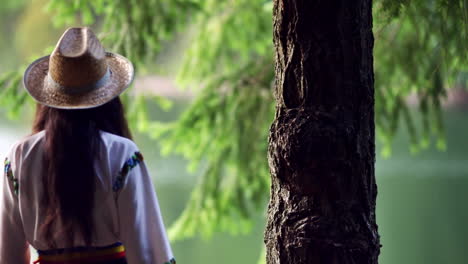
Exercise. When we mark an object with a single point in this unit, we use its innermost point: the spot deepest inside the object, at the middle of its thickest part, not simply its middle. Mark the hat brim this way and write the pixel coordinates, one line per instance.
(121, 74)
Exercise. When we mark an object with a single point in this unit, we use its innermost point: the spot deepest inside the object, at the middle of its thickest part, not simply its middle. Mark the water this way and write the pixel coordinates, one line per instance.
(421, 207)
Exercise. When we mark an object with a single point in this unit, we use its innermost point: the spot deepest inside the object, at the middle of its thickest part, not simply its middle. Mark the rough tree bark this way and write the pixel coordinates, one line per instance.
(321, 145)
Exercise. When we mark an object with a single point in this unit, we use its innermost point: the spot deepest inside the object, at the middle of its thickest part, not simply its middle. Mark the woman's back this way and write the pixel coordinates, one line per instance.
(124, 202)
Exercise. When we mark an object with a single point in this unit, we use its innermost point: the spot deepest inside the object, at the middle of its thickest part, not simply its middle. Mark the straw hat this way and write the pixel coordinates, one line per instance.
(78, 74)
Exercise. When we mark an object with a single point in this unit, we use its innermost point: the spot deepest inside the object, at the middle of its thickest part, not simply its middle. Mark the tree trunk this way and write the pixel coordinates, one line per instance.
(321, 145)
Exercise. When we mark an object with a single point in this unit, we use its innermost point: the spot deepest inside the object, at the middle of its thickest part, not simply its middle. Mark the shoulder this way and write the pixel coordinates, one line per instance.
(25, 146)
(117, 143)
(120, 150)
(126, 155)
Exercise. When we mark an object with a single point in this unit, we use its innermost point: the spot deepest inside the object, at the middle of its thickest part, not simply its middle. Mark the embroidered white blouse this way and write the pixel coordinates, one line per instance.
(126, 208)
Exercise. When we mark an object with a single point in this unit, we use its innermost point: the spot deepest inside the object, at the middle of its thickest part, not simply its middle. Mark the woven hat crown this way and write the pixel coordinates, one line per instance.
(79, 73)
(78, 61)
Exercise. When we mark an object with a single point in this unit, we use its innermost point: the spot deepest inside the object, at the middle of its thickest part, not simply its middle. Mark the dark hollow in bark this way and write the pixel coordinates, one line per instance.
(321, 145)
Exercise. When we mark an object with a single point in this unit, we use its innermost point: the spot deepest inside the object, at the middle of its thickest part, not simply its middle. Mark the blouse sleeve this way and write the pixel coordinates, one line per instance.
(142, 229)
(13, 245)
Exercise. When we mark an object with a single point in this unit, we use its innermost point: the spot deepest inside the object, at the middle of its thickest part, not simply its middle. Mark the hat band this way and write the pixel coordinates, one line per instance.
(79, 89)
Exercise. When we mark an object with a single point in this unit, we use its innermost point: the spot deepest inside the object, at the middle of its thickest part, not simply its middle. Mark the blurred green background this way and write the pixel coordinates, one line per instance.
(421, 205)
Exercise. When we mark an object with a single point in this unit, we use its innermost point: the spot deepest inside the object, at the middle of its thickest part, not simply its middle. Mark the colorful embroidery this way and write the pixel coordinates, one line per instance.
(9, 175)
(171, 261)
(82, 254)
(129, 164)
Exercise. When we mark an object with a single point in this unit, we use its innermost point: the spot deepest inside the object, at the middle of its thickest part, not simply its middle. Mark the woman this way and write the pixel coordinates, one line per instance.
(77, 189)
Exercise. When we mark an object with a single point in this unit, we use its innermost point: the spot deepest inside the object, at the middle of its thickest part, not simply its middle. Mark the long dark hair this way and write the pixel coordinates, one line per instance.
(72, 145)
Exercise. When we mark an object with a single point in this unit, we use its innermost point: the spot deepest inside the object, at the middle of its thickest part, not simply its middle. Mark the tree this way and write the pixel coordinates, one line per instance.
(227, 60)
(321, 146)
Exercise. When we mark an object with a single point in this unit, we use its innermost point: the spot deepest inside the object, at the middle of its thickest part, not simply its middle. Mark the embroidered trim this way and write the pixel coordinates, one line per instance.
(131, 163)
(10, 177)
(171, 261)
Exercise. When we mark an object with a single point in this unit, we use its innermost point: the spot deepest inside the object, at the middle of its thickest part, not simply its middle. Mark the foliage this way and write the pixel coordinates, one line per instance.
(421, 48)
(11, 97)
(225, 126)
(9, 6)
(9, 9)
(228, 62)
(135, 28)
